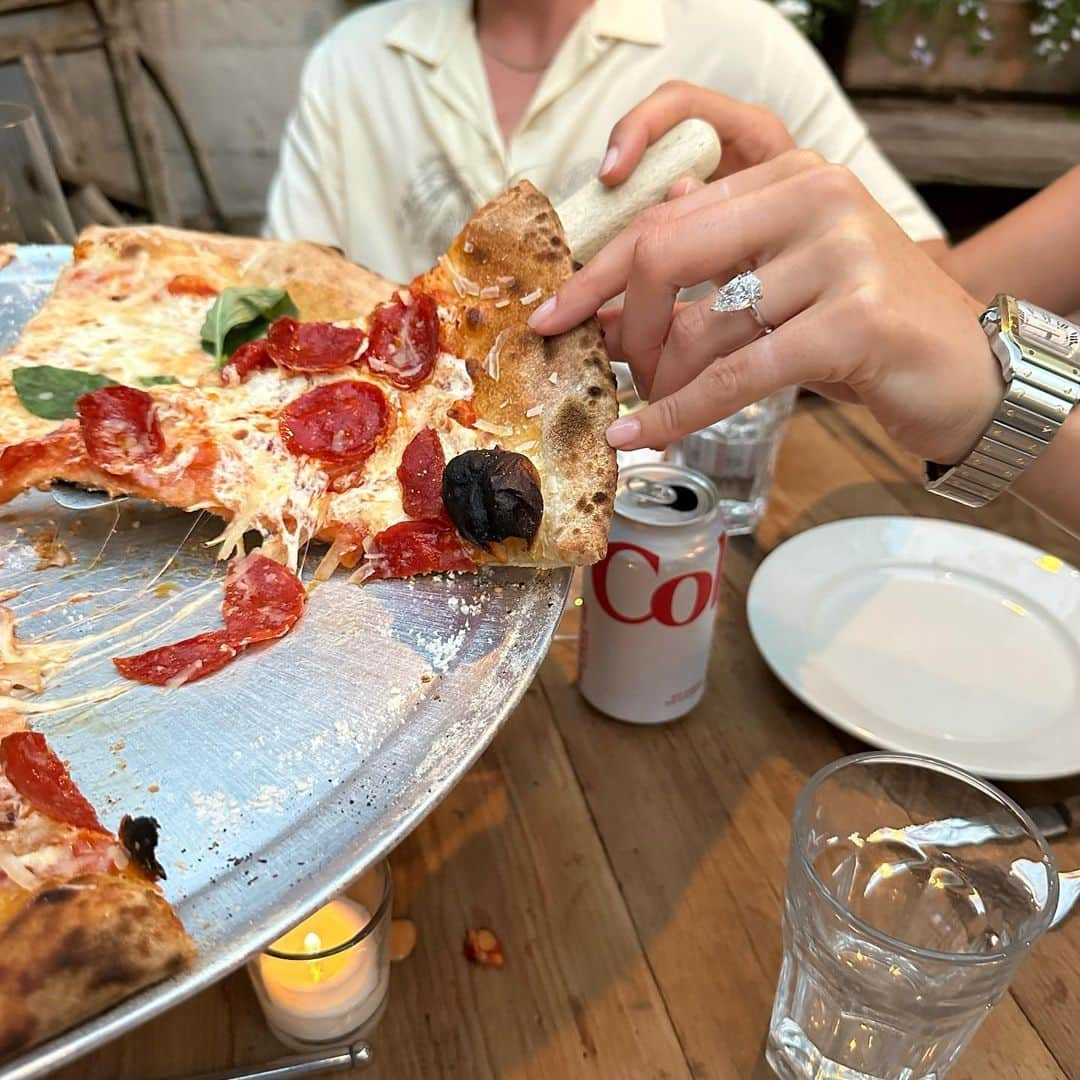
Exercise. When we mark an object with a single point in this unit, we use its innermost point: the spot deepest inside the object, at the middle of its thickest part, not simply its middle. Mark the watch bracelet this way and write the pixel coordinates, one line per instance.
(1041, 388)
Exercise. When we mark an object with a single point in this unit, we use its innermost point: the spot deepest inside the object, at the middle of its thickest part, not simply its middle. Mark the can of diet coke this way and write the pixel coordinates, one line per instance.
(650, 606)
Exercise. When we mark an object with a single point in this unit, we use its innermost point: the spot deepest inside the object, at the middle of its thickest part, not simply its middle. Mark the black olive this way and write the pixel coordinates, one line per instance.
(493, 495)
(140, 837)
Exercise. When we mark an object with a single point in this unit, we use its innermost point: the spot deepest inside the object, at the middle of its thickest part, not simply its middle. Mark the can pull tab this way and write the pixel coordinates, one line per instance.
(650, 491)
(678, 497)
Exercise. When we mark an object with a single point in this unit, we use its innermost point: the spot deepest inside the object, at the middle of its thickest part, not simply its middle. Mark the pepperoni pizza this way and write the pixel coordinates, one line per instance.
(411, 430)
(431, 432)
(82, 922)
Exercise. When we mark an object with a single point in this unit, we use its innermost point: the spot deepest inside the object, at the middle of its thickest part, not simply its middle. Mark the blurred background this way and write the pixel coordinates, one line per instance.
(172, 110)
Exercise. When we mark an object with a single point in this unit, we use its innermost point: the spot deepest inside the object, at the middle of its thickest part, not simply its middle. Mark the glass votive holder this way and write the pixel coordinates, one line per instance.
(325, 982)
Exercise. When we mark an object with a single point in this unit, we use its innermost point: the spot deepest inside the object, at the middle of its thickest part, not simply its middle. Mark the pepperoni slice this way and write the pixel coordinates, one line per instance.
(419, 547)
(313, 346)
(263, 600)
(404, 340)
(338, 422)
(173, 665)
(251, 356)
(119, 427)
(44, 781)
(190, 285)
(37, 461)
(420, 473)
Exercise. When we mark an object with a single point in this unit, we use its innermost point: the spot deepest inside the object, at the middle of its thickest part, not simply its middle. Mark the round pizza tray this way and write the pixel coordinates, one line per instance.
(280, 778)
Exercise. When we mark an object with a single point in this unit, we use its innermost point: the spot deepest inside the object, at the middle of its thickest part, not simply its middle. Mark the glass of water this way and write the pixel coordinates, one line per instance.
(739, 455)
(32, 206)
(914, 891)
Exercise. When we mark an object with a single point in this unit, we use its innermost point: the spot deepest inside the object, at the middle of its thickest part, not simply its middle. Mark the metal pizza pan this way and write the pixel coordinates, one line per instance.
(280, 778)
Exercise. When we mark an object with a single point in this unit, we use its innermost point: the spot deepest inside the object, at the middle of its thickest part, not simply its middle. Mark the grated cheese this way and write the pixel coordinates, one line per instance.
(363, 572)
(463, 286)
(492, 362)
(492, 428)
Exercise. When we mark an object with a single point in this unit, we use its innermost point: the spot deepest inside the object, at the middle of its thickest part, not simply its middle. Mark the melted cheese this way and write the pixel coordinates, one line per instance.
(35, 849)
(27, 666)
(112, 313)
(259, 484)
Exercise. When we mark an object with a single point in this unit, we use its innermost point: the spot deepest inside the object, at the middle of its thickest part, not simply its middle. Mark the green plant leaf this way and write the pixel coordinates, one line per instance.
(156, 380)
(240, 314)
(51, 392)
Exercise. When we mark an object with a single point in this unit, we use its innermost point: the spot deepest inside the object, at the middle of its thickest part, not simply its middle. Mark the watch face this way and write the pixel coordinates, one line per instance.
(1045, 330)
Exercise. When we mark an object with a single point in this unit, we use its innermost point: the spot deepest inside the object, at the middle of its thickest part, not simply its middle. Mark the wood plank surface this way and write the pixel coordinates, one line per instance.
(1002, 144)
(635, 875)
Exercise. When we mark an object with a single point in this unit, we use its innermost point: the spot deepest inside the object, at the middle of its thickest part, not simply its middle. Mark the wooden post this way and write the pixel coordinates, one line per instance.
(137, 106)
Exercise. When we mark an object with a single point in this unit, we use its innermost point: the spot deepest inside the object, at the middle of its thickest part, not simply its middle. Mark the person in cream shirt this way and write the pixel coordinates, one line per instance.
(413, 113)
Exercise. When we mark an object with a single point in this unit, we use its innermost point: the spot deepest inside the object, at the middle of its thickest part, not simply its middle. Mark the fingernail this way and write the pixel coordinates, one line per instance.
(541, 314)
(610, 158)
(684, 187)
(623, 431)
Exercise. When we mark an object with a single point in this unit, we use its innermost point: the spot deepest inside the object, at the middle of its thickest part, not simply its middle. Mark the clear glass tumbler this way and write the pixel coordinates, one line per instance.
(914, 891)
(738, 454)
(32, 206)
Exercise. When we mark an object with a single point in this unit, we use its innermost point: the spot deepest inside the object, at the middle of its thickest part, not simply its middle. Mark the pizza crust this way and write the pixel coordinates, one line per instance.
(516, 242)
(321, 281)
(74, 949)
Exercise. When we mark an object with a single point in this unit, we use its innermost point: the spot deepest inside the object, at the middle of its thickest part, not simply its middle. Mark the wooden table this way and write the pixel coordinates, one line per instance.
(635, 876)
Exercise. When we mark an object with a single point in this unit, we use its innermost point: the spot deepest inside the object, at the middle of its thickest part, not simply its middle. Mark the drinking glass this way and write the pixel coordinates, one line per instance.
(738, 454)
(32, 206)
(914, 891)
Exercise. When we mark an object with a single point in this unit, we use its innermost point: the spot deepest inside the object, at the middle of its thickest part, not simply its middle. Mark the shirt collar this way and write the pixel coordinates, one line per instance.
(429, 27)
(638, 21)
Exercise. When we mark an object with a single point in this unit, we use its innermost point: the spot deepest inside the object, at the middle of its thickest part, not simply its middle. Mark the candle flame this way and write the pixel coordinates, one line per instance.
(312, 945)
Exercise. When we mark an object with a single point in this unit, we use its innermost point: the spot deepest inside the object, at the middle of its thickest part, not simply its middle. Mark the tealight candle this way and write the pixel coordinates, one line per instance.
(326, 980)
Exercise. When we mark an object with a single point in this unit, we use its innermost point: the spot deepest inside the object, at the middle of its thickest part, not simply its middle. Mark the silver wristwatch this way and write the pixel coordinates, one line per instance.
(1039, 354)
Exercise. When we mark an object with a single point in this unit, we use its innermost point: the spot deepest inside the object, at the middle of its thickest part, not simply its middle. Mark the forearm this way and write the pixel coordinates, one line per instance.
(1052, 484)
(1029, 253)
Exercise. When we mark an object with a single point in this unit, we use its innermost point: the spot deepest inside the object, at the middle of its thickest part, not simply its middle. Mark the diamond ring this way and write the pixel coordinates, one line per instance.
(742, 293)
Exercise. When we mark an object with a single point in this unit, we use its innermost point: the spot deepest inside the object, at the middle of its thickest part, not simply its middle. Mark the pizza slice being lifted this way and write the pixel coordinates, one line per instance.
(434, 431)
(82, 922)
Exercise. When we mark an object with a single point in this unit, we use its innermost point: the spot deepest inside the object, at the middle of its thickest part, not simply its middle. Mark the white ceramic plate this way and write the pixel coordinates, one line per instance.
(931, 638)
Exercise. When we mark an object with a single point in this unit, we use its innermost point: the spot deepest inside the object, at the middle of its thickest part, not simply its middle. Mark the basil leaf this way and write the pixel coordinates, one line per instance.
(51, 392)
(156, 380)
(241, 314)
